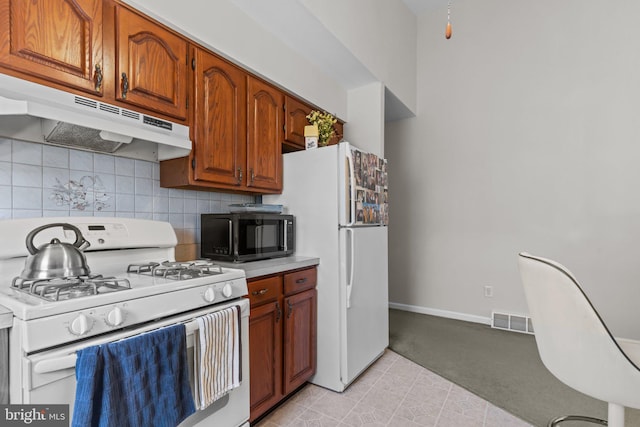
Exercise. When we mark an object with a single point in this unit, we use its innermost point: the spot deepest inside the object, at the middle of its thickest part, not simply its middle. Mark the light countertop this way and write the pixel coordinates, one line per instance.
(272, 266)
(6, 317)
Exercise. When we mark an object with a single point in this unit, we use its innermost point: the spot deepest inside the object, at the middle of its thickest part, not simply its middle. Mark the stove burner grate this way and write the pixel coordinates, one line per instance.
(177, 270)
(64, 288)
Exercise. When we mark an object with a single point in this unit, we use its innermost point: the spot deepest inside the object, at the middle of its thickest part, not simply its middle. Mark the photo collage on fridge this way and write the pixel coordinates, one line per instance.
(372, 203)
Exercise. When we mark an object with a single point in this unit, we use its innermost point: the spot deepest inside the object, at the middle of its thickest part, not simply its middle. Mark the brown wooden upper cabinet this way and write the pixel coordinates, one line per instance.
(99, 47)
(220, 121)
(296, 112)
(60, 41)
(237, 132)
(265, 134)
(151, 65)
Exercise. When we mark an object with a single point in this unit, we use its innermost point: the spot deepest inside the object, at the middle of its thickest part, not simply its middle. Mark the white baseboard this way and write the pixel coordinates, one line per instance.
(441, 313)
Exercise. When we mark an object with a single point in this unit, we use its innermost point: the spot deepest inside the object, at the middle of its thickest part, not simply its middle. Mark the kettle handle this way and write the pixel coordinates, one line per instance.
(65, 226)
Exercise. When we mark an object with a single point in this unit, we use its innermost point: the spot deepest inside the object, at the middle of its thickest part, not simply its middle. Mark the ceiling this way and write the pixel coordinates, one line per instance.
(419, 6)
(293, 24)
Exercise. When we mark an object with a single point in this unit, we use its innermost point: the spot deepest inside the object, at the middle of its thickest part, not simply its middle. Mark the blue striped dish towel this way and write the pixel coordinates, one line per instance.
(217, 353)
(139, 381)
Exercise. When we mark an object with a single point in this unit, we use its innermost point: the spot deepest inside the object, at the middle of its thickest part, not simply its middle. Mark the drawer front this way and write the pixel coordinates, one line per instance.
(299, 281)
(264, 290)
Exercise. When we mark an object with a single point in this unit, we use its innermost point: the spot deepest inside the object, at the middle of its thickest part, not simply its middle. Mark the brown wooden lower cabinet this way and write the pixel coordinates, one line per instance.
(282, 336)
(299, 339)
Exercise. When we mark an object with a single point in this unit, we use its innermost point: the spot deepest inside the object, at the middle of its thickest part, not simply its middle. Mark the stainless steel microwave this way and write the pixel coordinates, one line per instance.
(243, 237)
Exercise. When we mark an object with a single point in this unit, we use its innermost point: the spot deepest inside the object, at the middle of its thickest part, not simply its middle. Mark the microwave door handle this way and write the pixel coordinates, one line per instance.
(231, 238)
(285, 235)
(257, 236)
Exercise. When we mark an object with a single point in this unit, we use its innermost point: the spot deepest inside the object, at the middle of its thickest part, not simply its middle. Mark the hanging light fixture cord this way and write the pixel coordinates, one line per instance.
(447, 32)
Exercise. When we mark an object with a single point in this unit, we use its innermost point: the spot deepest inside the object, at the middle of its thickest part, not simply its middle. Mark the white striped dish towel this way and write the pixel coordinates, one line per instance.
(217, 353)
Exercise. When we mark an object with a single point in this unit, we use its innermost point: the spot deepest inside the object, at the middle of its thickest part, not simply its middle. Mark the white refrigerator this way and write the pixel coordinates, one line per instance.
(339, 197)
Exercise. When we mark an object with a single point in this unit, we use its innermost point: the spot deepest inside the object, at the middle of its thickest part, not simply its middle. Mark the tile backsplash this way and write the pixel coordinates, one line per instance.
(38, 180)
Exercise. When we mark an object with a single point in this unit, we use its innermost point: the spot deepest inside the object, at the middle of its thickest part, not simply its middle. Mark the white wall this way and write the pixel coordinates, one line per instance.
(381, 34)
(225, 29)
(527, 138)
(366, 112)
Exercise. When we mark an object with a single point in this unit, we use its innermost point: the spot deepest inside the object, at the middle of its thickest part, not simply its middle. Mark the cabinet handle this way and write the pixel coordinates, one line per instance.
(290, 309)
(260, 292)
(253, 175)
(301, 280)
(279, 312)
(97, 77)
(239, 176)
(125, 85)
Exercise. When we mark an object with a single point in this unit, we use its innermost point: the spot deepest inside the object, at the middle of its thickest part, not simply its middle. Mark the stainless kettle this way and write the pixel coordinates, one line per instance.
(56, 259)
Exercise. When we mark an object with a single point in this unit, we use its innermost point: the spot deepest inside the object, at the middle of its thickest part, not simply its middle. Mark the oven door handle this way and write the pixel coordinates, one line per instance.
(62, 359)
(69, 360)
(56, 364)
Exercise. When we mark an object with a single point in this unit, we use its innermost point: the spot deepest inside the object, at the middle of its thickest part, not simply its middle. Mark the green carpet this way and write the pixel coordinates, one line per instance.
(500, 366)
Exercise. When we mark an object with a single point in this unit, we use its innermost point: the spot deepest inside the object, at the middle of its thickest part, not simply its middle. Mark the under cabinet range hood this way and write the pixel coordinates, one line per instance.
(37, 113)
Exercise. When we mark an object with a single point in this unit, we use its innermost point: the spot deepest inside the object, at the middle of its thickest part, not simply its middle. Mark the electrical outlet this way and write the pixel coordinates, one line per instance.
(488, 291)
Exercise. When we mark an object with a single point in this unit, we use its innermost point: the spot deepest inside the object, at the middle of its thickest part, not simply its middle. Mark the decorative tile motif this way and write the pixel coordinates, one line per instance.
(392, 392)
(87, 192)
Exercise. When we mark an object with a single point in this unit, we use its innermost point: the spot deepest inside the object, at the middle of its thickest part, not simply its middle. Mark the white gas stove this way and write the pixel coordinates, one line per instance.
(134, 285)
(137, 255)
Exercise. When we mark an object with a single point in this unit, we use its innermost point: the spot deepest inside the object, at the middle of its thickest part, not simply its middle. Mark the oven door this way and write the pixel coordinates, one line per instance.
(49, 376)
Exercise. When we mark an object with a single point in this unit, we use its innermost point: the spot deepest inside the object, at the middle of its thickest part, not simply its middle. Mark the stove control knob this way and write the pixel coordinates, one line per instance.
(115, 317)
(227, 290)
(80, 325)
(209, 294)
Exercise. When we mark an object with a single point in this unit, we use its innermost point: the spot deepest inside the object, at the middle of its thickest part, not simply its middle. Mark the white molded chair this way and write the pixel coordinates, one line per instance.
(575, 344)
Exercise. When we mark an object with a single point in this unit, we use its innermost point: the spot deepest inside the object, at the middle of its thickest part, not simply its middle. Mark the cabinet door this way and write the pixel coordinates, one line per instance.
(299, 339)
(265, 357)
(264, 143)
(60, 41)
(152, 65)
(220, 120)
(295, 117)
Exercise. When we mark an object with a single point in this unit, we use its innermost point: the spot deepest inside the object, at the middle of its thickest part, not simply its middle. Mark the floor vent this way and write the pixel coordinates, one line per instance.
(511, 322)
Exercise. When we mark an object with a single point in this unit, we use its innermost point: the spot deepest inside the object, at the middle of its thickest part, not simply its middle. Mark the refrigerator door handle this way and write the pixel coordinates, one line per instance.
(352, 269)
(352, 189)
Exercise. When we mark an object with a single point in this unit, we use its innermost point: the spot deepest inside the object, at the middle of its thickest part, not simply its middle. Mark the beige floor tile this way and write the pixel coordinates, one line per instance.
(364, 414)
(313, 418)
(428, 379)
(455, 419)
(463, 402)
(283, 415)
(308, 395)
(398, 421)
(398, 383)
(333, 404)
(384, 399)
(392, 392)
(361, 387)
(422, 408)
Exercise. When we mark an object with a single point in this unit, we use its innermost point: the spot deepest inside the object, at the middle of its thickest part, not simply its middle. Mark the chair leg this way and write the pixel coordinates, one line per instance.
(556, 421)
(616, 415)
